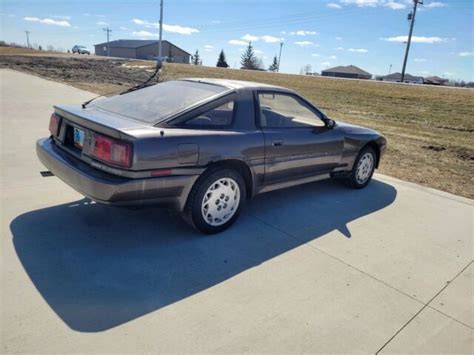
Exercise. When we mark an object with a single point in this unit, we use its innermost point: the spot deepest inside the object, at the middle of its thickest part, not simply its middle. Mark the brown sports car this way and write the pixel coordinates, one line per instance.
(203, 146)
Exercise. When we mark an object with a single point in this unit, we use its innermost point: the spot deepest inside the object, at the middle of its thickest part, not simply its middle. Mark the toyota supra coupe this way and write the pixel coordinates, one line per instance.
(203, 147)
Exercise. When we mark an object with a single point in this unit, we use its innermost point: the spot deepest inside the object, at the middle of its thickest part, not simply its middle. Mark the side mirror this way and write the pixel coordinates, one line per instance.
(330, 123)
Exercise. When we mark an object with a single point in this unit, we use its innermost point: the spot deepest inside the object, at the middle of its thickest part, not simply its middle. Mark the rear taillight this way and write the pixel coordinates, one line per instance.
(112, 151)
(54, 124)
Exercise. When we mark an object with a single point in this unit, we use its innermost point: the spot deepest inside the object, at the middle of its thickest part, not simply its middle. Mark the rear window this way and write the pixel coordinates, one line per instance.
(156, 103)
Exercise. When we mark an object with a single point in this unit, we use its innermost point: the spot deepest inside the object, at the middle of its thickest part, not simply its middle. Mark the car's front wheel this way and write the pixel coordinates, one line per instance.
(215, 200)
(363, 169)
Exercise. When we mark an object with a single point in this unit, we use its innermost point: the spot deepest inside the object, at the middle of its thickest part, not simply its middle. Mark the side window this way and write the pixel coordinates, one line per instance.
(286, 111)
(219, 116)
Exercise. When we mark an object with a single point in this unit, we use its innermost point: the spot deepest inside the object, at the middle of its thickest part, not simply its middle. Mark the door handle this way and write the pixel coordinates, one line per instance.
(277, 143)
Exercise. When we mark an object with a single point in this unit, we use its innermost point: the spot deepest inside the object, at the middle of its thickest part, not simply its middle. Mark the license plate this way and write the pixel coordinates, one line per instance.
(79, 135)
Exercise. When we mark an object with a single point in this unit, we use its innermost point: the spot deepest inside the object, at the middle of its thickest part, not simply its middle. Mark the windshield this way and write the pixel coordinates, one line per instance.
(158, 102)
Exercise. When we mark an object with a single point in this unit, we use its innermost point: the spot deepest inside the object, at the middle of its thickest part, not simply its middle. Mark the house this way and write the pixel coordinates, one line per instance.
(436, 80)
(397, 78)
(143, 49)
(349, 72)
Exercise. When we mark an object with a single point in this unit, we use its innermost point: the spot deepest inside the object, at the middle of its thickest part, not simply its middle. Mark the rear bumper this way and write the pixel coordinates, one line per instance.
(170, 191)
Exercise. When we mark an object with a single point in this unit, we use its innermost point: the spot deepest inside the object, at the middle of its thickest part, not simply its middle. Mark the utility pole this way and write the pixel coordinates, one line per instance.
(28, 38)
(411, 17)
(108, 30)
(279, 57)
(390, 69)
(160, 53)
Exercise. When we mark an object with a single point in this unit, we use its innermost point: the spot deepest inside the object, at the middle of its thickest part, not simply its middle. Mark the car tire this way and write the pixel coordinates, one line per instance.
(363, 169)
(215, 200)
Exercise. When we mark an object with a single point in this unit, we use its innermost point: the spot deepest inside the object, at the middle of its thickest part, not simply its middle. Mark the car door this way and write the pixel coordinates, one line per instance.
(297, 141)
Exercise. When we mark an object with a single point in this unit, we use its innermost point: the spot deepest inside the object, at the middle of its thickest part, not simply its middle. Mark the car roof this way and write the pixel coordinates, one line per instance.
(238, 84)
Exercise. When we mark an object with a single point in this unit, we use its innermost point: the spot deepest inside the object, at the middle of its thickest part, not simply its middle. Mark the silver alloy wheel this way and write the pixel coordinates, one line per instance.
(220, 201)
(364, 168)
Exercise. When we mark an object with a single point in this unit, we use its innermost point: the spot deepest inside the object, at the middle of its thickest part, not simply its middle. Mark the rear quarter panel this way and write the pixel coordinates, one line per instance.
(175, 147)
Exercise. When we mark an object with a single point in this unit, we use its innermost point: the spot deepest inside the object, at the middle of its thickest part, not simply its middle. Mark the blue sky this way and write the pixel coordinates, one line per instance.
(322, 33)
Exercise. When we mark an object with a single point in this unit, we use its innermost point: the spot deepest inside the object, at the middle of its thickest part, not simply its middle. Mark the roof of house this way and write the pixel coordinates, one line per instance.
(398, 76)
(349, 69)
(135, 43)
(436, 79)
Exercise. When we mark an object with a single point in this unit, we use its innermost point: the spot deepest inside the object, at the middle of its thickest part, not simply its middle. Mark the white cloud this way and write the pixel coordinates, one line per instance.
(361, 3)
(391, 4)
(249, 38)
(332, 57)
(137, 21)
(435, 4)
(303, 33)
(466, 54)
(316, 55)
(183, 30)
(102, 23)
(48, 21)
(304, 43)
(449, 74)
(179, 29)
(271, 39)
(62, 17)
(258, 51)
(339, 38)
(333, 5)
(419, 60)
(358, 50)
(238, 42)
(208, 46)
(339, 48)
(124, 28)
(415, 39)
(144, 34)
(216, 22)
(326, 64)
(394, 5)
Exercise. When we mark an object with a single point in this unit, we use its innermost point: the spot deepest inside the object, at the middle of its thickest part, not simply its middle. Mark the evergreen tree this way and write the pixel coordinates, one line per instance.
(274, 66)
(196, 59)
(248, 59)
(221, 62)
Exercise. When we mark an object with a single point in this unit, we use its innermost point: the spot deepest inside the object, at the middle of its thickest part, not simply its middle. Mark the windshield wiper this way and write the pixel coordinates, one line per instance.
(159, 64)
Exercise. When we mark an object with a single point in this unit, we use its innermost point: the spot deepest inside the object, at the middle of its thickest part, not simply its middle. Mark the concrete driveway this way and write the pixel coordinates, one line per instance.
(316, 268)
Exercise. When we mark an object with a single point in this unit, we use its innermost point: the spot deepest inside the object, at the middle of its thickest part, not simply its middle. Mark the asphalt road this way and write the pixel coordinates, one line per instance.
(316, 268)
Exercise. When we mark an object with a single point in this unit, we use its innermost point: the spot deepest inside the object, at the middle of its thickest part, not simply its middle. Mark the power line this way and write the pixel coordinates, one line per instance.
(28, 38)
(411, 17)
(289, 20)
(108, 30)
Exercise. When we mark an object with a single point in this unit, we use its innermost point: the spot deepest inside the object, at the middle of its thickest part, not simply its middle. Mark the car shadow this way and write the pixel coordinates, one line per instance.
(99, 267)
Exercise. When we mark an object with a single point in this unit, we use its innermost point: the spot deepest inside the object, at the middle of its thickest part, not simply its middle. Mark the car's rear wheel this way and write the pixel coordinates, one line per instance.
(363, 169)
(215, 200)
